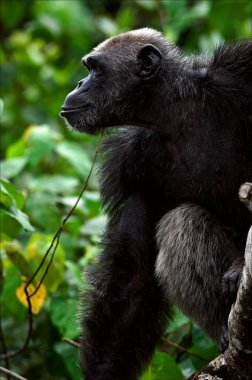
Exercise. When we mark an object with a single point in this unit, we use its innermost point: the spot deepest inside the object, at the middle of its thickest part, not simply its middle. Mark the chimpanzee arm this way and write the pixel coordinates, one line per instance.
(126, 313)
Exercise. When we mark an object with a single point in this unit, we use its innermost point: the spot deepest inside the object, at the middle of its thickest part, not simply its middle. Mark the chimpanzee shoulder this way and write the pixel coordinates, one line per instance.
(129, 160)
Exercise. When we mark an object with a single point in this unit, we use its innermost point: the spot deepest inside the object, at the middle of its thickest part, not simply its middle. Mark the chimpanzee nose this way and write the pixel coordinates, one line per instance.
(76, 98)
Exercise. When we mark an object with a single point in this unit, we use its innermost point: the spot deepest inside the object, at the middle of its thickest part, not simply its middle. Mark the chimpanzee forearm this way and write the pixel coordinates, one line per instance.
(125, 316)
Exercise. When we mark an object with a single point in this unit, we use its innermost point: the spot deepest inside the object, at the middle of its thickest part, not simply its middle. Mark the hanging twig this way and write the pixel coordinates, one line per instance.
(54, 244)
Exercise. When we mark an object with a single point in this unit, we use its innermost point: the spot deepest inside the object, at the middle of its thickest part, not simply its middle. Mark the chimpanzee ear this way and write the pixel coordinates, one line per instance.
(149, 61)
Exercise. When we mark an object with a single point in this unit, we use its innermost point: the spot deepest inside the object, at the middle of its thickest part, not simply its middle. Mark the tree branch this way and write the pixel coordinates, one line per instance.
(12, 374)
(235, 362)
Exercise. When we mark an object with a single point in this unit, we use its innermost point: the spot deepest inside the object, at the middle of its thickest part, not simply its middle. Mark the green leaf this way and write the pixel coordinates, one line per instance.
(69, 354)
(163, 367)
(187, 366)
(12, 166)
(200, 339)
(40, 142)
(92, 202)
(76, 272)
(1, 107)
(43, 210)
(1, 275)
(12, 12)
(63, 312)
(5, 198)
(178, 321)
(9, 225)
(94, 226)
(16, 150)
(11, 196)
(20, 216)
(149, 5)
(11, 306)
(54, 183)
(76, 156)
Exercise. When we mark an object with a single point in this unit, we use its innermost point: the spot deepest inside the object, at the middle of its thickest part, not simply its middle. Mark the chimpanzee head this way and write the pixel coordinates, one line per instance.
(127, 74)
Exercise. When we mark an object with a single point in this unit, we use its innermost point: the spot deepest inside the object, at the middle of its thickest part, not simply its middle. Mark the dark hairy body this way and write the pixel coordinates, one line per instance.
(176, 231)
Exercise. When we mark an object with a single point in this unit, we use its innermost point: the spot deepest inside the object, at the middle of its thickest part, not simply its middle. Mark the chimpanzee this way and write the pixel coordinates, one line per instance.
(176, 231)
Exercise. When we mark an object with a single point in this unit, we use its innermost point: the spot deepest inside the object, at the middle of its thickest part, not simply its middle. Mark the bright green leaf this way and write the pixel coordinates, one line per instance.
(75, 154)
(178, 321)
(163, 367)
(20, 216)
(16, 150)
(40, 142)
(12, 166)
(15, 197)
(63, 312)
(94, 226)
(5, 198)
(54, 184)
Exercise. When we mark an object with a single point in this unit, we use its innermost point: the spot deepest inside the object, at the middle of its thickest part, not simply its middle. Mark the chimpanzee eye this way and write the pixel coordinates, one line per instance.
(91, 63)
(79, 84)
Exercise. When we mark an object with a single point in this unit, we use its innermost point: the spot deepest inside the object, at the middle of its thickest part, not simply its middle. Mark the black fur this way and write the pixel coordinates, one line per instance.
(196, 153)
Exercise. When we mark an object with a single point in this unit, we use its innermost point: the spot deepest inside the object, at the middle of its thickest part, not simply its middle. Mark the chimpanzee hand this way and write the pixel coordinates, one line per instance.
(231, 280)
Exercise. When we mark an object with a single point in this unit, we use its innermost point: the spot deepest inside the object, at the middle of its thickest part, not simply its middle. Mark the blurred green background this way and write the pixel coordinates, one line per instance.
(44, 166)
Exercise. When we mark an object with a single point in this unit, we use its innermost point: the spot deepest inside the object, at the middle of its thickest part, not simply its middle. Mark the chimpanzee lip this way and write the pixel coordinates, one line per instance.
(67, 110)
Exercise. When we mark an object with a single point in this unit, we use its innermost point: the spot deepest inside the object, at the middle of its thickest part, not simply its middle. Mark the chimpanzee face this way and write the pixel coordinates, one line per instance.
(110, 95)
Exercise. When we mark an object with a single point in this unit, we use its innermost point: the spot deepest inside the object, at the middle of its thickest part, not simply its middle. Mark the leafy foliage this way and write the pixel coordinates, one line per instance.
(44, 166)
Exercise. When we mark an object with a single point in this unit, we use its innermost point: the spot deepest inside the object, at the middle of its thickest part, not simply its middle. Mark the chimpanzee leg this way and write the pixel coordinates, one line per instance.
(125, 313)
(194, 254)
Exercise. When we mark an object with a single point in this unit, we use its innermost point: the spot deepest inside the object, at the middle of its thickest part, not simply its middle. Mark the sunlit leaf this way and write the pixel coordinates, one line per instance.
(40, 141)
(54, 183)
(75, 154)
(5, 197)
(16, 149)
(36, 300)
(12, 166)
(108, 26)
(149, 5)
(94, 226)
(10, 195)
(21, 217)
